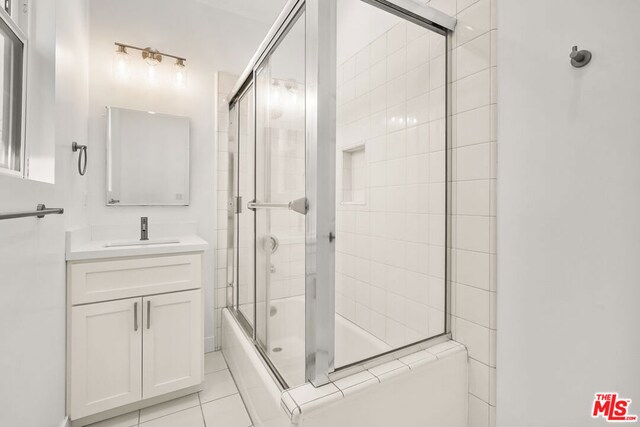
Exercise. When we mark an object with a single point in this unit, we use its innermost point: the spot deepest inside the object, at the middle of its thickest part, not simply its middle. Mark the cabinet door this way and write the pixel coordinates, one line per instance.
(106, 353)
(172, 341)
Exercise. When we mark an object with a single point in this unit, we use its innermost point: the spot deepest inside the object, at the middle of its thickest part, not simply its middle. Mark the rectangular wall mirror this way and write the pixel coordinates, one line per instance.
(147, 158)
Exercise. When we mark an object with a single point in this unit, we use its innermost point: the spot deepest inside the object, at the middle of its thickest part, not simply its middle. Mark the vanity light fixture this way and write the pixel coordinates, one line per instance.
(151, 56)
(153, 59)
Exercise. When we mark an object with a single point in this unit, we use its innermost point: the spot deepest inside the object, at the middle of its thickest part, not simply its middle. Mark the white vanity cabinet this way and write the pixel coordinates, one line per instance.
(135, 331)
(172, 342)
(106, 355)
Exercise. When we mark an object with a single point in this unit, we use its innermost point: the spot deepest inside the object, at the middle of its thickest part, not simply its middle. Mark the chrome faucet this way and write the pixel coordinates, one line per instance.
(144, 228)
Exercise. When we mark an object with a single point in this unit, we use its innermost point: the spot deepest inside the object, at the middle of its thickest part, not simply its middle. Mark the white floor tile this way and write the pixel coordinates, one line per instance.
(214, 362)
(188, 418)
(219, 402)
(216, 385)
(126, 420)
(169, 407)
(227, 412)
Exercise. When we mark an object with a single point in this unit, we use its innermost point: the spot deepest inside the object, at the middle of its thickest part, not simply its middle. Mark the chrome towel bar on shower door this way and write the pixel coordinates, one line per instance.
(298, 205)
(40, 212)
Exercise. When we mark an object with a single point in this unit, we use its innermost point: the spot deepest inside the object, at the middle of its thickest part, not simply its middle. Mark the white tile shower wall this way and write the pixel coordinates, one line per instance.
(390, 238)
(354, 171)
(473, 251)
(473, 99)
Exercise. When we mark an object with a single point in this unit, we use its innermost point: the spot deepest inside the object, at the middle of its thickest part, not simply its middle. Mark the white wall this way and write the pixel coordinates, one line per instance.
(211, 40)
(72, 102)
(32, 284)
(32, 264)
(568, 209)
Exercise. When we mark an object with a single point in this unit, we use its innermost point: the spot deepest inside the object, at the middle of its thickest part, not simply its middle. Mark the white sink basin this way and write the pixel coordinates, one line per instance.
(141, 243)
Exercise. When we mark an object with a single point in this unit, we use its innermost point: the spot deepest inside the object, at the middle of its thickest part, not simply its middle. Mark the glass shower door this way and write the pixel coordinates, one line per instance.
(280, 205)
(383, 99)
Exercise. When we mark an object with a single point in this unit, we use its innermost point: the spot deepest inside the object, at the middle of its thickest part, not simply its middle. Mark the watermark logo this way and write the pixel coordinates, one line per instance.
(612, 408)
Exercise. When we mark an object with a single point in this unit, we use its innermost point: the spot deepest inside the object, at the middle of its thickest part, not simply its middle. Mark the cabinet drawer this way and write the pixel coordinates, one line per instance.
(131, 277)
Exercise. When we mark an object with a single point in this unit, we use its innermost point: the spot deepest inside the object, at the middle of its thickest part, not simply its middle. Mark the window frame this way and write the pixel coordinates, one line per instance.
(13, 26)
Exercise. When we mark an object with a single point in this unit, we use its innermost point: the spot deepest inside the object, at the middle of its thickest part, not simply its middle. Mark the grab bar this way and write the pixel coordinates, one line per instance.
(40, 212)
(298, 205)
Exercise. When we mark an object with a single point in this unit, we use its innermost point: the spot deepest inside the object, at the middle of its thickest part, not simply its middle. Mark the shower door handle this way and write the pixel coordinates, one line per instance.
(256, 205)
(298, 205)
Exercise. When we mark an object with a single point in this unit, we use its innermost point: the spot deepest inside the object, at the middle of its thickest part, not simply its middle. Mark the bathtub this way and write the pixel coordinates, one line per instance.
(286, 331)
(416, 387)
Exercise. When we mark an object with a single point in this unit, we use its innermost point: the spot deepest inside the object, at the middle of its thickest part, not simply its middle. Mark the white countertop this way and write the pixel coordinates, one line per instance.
(81, 246)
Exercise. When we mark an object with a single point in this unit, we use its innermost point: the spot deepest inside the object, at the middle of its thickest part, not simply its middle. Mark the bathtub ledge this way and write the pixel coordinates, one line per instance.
(303, 400)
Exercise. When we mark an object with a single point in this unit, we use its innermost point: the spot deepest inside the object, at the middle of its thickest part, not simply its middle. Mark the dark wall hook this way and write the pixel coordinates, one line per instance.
(82, 165)
(579, 58)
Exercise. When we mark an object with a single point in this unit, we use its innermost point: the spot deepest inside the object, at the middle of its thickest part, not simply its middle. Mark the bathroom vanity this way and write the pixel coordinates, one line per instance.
(134, 323)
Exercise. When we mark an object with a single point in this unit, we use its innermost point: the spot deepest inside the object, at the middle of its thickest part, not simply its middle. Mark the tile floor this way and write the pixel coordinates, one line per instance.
(219, 404)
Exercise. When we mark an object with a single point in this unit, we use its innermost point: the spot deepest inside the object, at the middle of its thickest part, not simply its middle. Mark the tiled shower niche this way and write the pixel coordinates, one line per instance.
(354, 175)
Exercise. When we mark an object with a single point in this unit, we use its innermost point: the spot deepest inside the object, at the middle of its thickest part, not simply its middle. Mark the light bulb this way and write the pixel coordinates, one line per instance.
(152, 75)
(275, 94)
(122, 66)
(180, 77)
(275, 100)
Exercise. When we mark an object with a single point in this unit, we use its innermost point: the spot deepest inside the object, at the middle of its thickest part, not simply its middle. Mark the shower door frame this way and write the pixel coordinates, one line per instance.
(443, 25)
(319, 183)
(233, 209)
(320, 174)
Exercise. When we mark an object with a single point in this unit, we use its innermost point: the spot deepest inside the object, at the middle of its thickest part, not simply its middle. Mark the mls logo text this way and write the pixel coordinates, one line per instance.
(612, 408)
